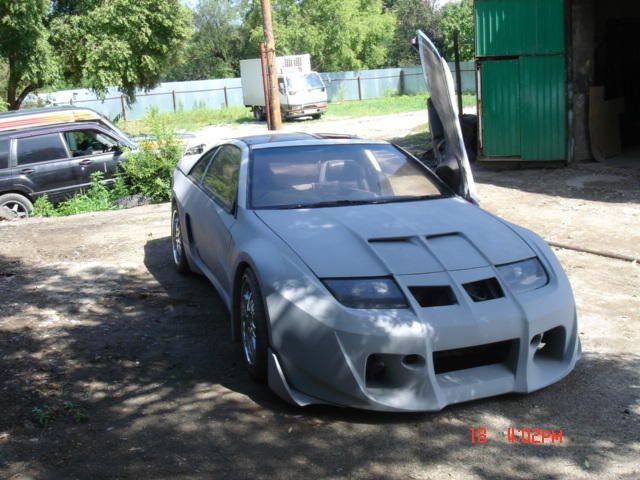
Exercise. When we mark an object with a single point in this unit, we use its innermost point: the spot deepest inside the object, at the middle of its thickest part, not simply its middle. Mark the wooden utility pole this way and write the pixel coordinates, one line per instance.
(270, 45)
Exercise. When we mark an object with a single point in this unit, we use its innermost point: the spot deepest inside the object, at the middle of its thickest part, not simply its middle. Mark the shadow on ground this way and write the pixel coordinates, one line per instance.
(146, 356)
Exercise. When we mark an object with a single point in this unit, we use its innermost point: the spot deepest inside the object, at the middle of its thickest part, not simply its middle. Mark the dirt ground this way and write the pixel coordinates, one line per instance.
(114, 366)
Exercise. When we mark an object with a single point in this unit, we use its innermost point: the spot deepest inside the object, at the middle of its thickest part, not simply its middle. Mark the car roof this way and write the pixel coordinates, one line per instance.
(298, 139)
(252, 140)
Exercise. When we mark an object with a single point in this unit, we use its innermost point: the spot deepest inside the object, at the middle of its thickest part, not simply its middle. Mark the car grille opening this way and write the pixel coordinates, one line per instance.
(551, 344)
(472, 357)
(484, 290)
(434, 296)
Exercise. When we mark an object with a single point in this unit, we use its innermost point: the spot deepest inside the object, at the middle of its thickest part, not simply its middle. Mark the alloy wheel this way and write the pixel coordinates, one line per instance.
(248, 320)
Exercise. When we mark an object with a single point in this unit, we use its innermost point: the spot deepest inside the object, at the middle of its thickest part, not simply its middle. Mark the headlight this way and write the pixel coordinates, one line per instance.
(524, 276)
(374, 293)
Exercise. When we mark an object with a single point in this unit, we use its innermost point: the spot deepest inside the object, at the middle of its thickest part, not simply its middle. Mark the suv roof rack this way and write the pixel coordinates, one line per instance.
(39, 117)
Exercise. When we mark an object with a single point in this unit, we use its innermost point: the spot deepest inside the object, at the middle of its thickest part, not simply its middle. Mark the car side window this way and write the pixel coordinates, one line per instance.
(221, 178)
(4, 154)
(201, 165)
(89, 142)
(41, 148)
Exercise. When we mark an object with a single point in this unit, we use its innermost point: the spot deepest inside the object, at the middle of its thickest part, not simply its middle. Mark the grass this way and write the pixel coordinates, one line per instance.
(417, 141)
(189, 120)
(385, 105)
(201, 117)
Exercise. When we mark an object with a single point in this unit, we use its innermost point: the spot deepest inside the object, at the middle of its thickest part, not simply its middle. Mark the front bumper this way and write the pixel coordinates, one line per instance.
(304, 110)
(321, 352)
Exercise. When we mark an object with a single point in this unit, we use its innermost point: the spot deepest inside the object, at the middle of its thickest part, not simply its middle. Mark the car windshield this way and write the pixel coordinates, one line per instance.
(335, 175)
(299, 83)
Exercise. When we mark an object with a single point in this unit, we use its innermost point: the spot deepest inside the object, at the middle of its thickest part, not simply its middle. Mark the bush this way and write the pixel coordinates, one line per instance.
(97, 197)
(148, 170)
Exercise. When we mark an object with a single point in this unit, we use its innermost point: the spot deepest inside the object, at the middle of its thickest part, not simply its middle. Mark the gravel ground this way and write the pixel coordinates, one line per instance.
(132, 375)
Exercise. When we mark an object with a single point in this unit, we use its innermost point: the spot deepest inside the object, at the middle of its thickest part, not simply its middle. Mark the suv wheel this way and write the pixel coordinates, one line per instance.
(18, 204)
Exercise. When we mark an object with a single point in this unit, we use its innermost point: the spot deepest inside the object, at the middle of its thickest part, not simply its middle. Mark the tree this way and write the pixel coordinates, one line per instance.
(126, 43)
(457, 16)
(412, 15)
(216, 46)
(26, 48)
(93, 43)
(339, 34)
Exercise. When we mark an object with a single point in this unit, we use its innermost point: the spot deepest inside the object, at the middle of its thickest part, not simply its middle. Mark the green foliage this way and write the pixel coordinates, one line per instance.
(339, 34)
(121, 42)
(385, 105)
(43, 414)
(26, 48)
(98, 197)
(148, 170)
(215, 49)
(93, 43)
(457, 16)
(412, 15)
(79, 415)
(43, 207)
(189, 119)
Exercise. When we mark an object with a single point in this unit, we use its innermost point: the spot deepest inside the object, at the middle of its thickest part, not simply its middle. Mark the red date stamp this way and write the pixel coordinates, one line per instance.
(533, 436)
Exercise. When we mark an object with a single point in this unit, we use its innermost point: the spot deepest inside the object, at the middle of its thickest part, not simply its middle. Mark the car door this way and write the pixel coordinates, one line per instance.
(42, 163)
(92, 151)
(213, 212)
(452, 162)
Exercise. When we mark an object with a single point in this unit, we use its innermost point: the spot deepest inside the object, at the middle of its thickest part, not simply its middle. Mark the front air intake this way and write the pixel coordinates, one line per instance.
(484, 290)
(473, 357)
(434, 296)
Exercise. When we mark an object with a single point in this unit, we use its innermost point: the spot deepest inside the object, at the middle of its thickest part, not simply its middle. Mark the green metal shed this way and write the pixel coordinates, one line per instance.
(520, 55)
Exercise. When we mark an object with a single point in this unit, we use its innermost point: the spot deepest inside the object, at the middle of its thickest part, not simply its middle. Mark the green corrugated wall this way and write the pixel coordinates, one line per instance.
(520, 50)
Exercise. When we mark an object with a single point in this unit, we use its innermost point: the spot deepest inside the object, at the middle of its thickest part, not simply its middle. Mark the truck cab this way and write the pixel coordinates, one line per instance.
(302, 94)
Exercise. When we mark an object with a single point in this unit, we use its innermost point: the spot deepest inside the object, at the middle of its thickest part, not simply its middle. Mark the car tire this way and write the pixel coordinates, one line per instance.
(19, 204)
(177, 243)
(317, 116)
(253, 327)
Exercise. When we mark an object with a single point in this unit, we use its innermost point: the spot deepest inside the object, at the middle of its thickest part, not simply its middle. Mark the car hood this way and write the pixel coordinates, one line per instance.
(396, 238)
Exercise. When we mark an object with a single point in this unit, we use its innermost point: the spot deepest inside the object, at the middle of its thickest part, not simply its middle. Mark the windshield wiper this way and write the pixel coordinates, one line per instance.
(370, 201)
(408, 198)
(332, 203)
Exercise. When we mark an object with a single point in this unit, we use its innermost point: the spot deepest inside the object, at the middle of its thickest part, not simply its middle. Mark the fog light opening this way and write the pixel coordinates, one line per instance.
(376, 370)
(413, 361)
(535, 341)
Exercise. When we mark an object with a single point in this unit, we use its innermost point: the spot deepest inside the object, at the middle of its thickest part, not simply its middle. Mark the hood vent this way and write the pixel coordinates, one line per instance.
(484, 290)
(389, 240)
(436, 296)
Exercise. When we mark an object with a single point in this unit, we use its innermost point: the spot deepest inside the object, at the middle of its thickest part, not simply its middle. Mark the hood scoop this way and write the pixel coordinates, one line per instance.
(405, 255)
(456, 252)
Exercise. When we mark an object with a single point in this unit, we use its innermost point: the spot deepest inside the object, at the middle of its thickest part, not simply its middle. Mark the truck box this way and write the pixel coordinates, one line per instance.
(251, 75)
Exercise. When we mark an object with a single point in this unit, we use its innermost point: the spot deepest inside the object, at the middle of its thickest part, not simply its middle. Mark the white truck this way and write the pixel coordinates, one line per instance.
(302, 91)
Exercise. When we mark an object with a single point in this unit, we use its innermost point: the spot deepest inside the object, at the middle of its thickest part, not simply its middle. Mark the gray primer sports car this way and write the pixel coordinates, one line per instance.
(356, 276)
